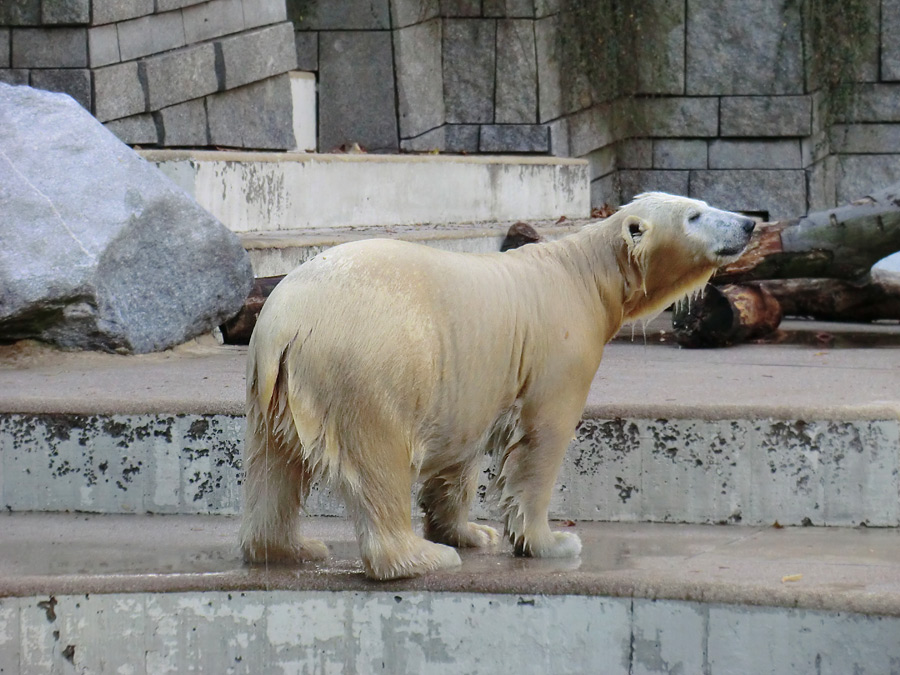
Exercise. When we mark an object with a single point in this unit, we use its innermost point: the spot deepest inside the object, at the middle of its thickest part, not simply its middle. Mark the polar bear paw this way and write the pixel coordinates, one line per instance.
(556, 545)
(301, 549)
(421, 556)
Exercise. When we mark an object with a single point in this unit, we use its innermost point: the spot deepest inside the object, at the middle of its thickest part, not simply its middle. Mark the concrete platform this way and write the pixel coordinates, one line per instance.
(258, 191)
(753, 434)
(278, 252)
(168, 594)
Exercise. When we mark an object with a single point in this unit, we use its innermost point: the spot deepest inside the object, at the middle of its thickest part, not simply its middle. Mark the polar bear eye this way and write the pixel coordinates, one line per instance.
(694, 217)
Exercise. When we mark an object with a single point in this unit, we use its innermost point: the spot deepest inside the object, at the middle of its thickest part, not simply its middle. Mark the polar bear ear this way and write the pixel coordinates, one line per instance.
(634, 230)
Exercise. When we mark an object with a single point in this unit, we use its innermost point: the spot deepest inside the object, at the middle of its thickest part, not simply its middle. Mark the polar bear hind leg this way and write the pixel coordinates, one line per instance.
(276, 482)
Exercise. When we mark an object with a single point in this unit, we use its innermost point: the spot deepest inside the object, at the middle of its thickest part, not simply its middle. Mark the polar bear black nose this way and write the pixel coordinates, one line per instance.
(748, 225)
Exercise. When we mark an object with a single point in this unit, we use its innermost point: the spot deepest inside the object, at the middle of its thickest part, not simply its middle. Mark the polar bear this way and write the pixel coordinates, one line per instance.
(381, 362)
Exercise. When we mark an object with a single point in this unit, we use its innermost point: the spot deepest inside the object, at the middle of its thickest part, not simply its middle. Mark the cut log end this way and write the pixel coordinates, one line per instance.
(725, 316)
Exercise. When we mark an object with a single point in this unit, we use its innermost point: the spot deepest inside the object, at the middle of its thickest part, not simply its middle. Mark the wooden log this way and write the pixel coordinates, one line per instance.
(874, 298)
(841, 243)
(520, 234)
(725, 315)
(238, 329)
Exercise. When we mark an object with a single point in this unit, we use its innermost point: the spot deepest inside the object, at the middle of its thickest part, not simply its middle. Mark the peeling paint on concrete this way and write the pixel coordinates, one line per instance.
(418, 632)
(820, 472)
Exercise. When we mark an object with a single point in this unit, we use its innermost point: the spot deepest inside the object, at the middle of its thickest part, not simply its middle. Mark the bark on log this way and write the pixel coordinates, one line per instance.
(726, 315)
(841, 243)
(875, 298)
(237, 331)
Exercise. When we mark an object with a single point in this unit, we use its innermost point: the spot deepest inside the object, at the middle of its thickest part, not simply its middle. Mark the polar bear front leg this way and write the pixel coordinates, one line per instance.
(446, 498)
(527, 478)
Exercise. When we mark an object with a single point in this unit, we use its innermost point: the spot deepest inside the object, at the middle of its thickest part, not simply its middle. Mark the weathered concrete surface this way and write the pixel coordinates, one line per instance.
(275, 253)
(170, 594)
(100, 250)
(251, 191)
(753, 434)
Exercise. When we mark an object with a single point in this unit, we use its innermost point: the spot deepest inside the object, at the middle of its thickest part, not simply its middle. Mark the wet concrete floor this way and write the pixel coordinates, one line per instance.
(837, 569)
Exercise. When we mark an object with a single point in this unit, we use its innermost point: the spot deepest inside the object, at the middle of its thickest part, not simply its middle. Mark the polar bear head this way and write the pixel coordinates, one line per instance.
(672, 246)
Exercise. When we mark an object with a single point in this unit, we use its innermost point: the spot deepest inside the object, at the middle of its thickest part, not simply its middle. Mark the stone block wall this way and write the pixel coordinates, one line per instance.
(722, 102)
(161, 72)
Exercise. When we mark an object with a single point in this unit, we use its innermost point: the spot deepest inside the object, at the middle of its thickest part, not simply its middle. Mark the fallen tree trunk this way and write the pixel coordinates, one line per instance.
(725, 315)
(875, 298)
(237, 330)
(841, 243)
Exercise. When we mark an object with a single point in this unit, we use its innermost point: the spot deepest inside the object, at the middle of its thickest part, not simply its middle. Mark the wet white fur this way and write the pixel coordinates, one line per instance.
(379, 363)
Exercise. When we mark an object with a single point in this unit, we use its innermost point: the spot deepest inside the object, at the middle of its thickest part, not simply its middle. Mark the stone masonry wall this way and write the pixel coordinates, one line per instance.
(723, 107)
(161, 72)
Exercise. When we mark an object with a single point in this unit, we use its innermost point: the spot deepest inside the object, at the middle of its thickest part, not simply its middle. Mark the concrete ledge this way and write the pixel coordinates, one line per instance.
(286, 191)
(274, 253)
(754, 434)
(169, 594)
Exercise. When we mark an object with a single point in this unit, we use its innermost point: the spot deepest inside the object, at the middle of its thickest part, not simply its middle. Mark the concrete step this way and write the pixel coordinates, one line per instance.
(275, 253)
(263, 192)
(753, 434)
(155, 594)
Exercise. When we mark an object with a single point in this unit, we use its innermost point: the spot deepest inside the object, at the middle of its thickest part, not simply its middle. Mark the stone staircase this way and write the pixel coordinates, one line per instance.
(286, 207)
(690, 480)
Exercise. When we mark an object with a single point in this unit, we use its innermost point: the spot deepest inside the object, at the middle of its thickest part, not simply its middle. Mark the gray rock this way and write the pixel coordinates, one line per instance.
(458, 8)
(263, 12)
(49, 48)
(151, 35)
(76, 82)
(861, 175)
(256, 116)
(356, 73)
(212, 19)
(409, 12)
(461, 138)
(635, 153)
(755, 154)
(65, 12)
(679, 116)
(101, 251)
(109, 11)
(20, 12)
(430, 141)
(184, 124)
(679, 154)
(4, 48)
(345, 15)
(550, 96)
(14, 75)
(469, 70)
(420, 94)
(516, 72)
(168, 5)
(853, 139)
(257, 54)
(766, 115)
(590, 129)
(135, 130)
(307, 46)
(103, 45)
(180, 75)
(890, 47)
(635, 181)
(876, 103)
(776, 194)
(118, 91)
(762, 53)
(660, 69)
(532, 138)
